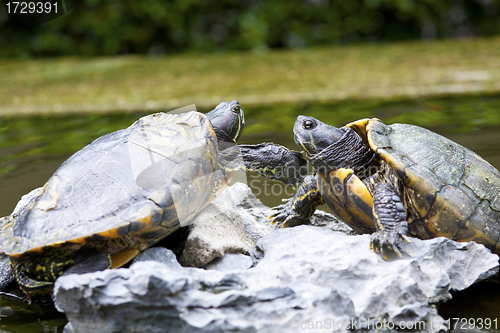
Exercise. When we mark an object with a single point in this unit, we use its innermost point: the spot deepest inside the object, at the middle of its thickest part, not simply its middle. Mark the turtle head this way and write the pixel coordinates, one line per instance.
(228, 117)
(313, 135)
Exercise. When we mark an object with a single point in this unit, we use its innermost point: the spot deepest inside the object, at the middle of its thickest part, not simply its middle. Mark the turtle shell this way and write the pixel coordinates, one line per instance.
(141, 183)
(449, 190)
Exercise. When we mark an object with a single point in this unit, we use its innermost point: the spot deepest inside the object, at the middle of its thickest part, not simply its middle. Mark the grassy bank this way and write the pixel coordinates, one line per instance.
(132, 83)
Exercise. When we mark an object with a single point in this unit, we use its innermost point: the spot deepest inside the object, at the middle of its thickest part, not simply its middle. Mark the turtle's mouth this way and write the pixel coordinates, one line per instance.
(301, 143)
(305, 140)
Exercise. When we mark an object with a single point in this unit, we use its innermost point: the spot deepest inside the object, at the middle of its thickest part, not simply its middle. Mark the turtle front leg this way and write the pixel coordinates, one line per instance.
(301, 206)
(390, 220)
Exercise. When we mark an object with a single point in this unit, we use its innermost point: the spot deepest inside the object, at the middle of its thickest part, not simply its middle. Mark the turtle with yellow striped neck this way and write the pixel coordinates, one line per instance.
(393, 181)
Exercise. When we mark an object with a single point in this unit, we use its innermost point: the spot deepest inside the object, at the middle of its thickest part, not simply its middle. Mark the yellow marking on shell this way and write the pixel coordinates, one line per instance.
(476, 237)
(121, 258)
(81, 240)
(372, 122)
(38, 249)
(113, 233)
(359, 126)
(414, 202)
(437, 227)
(341, 174)
(354, 210)
(146, 221)
(349, 211)
(394, 163)
(57, 244)
(472, 233)
(355, 185)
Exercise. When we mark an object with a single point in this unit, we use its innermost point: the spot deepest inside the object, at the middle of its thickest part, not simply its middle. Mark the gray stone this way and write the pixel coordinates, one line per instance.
(304, 277)
(224, 226)
(327, 220)
(254, 213)
(159, 254)
(231, 261)
(215, 231)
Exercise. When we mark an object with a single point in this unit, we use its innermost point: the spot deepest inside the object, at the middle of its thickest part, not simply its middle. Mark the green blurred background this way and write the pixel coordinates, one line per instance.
(110, 27)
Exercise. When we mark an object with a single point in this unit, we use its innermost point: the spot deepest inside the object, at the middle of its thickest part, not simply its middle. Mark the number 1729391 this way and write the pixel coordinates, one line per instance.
(16, 7)
(471, 323)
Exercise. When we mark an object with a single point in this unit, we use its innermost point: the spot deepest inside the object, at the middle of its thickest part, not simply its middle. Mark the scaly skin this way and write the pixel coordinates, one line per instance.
(359, 188)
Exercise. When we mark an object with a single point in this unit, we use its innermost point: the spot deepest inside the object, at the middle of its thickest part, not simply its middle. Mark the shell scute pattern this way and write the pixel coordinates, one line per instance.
(449, 190)
(105, 174)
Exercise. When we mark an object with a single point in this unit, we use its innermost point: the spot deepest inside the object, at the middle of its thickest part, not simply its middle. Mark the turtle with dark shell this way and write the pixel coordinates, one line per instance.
(396, 180)
(128, 190)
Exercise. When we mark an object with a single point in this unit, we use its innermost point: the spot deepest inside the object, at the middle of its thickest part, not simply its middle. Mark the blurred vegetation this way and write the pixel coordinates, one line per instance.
(323, 74)
(108, 27)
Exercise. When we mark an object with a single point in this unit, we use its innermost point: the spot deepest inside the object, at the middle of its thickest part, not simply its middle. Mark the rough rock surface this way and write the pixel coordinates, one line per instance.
(232, 223)
(239, 197)
(303, 279)
(231, 261)
(215, 231)
(254, 213)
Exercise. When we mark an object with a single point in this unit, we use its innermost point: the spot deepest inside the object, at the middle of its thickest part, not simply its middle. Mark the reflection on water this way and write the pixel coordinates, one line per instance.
(31, 149)
(41, 317)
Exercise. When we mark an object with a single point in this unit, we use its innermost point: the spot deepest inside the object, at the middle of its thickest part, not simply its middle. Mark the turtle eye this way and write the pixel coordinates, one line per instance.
(308, 124)
(268, 173)
(237, 108)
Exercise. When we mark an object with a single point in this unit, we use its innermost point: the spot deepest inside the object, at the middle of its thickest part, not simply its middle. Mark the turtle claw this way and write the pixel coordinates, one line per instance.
(278, 214)
(273, 221)
(384, 256)
(384, 243)
(285, 213)
(406, 238)
(396, 250)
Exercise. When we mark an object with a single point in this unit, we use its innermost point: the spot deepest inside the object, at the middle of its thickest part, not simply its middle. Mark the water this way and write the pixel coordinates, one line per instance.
(31, 149)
